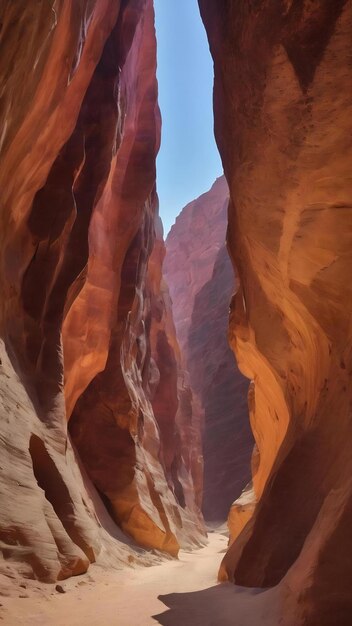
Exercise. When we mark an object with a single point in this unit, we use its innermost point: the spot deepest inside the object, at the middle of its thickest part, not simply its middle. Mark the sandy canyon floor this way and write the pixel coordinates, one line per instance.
(180, 592)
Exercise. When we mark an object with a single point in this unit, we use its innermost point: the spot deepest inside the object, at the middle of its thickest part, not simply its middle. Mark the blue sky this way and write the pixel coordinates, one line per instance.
(188, 162)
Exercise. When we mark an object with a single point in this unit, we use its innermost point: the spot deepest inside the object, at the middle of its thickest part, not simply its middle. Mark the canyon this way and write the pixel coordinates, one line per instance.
(201, 281)
(114, 386)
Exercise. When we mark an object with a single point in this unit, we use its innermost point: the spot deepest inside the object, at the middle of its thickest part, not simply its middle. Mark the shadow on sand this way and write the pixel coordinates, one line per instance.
(222, 605)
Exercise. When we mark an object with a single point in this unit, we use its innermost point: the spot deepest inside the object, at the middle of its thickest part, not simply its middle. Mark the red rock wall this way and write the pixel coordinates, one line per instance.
(192, 245)
(201, 281)
(171, 397)
(283, 116)
(80, 132)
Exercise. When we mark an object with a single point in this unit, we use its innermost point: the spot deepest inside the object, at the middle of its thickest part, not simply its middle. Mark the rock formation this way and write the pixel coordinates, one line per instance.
(283, 121)
(172, 398)
(80, 131)
(201, 281)
(191, 249)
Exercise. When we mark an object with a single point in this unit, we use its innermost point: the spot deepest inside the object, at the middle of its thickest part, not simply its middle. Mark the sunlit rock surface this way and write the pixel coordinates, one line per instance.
(80, 131)
(283, 120)
(201, 281)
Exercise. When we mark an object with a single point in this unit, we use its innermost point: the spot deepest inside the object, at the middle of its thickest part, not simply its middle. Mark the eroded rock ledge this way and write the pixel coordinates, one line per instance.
(80, 132)
(283, 117)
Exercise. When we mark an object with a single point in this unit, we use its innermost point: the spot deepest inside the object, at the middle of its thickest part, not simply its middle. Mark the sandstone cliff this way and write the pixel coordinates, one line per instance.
(80, 131)
(172, 398)
(201, 281)
(283, 120)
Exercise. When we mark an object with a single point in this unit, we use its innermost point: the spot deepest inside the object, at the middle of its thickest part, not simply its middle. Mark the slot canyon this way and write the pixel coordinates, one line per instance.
(176, 410)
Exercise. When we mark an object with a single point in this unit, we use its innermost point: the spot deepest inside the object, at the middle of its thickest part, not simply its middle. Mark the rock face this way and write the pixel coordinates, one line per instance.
(201, 281)
(172, 399)
(191, 248)
(283, 118)
(80, 131)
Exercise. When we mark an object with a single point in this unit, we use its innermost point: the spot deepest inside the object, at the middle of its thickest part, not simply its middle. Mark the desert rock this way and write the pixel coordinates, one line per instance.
(80, 130)
(283, 117)
(201, 281)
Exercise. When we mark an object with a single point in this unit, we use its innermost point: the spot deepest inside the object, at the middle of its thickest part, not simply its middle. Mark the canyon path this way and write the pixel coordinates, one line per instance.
(183, 591)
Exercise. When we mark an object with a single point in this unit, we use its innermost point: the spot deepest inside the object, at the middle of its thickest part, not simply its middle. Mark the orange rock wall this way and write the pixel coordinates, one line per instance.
(283, 116)
(80, 130)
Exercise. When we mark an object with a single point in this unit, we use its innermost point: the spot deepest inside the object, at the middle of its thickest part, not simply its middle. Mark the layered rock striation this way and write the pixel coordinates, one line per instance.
(283, 116)
(80, 132)
(201, 281)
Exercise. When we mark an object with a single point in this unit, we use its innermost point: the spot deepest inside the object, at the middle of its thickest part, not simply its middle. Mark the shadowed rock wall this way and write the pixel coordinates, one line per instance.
(227, 438)
(201, 281)
(172, 398)
(283, 117)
